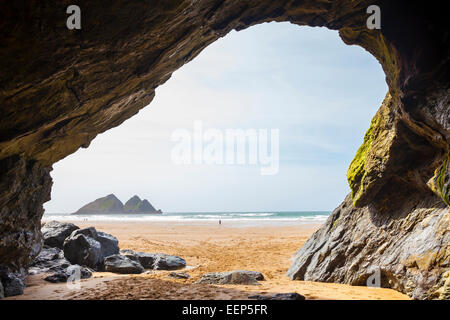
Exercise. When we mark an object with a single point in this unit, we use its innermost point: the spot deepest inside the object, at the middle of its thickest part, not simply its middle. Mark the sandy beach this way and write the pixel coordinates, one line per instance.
(206, 247)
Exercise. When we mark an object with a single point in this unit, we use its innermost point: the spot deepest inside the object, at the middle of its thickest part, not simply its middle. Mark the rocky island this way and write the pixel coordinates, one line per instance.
(112, 205)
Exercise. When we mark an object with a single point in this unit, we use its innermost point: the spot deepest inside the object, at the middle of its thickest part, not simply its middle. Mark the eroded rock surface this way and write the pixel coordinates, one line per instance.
(179, 275)
(61, 88)
(108, 242)
(409, 246)
(121, 264)
(75, 271)
(83, 250)
(156, 261)
(168, 262)
(55, 232)
(49, 260)
(232, 277)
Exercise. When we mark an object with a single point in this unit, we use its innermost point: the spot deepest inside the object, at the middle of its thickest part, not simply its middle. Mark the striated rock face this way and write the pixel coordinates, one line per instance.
(409, 247)
(55, 232)
(60, 88)
(121, 264)
(233, 277)
(24, 187)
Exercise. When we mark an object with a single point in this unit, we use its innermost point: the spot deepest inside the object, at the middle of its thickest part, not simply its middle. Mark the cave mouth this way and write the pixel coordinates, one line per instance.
(300, 81)
(60, 90)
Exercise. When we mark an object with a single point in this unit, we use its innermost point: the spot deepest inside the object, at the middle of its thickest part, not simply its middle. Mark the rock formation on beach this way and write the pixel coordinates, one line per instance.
(136, 205)
(233, 277)
(408, 249)
(112, 205)
(61, 88)
(85, 251)
(108, 204)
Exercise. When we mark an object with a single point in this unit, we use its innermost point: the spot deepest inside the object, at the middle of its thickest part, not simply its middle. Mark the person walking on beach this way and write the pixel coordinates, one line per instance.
(220, 222)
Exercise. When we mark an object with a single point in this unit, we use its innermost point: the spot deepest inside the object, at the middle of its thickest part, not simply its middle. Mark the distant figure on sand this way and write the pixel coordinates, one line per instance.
(220, 221)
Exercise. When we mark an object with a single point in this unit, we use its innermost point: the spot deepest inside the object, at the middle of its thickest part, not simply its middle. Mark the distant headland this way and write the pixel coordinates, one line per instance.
(112, 205)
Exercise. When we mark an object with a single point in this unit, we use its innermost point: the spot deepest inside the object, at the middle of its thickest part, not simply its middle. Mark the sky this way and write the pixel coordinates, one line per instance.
(319, 93)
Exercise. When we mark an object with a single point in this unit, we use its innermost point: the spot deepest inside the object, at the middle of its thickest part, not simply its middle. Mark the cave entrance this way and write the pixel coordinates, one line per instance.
(106, 75)
(276, 87)
(317, 92)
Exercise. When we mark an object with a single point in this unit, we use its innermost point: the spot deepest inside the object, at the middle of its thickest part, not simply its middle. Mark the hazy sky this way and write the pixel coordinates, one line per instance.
(320, 93)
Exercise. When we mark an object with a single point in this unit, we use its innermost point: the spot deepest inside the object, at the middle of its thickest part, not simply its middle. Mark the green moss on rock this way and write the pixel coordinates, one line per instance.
(357, 170)
(440, 182)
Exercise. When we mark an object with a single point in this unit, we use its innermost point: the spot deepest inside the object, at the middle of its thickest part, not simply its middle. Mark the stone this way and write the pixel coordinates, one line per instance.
(147, 260)
(109, 243)
(2, 292)
(13, 285)
(54, 233)
(83, 250)
(49, 260)
(63, 275)
(167, 262)
(48, 254)
(179, 275)
(130, 254)
(88, 232)
(121, 264)
(279, 296)
(255, 274)
(233, 277)
(156, 261)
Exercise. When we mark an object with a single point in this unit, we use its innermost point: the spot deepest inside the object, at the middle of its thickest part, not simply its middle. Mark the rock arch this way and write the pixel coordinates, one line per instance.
(60, 88)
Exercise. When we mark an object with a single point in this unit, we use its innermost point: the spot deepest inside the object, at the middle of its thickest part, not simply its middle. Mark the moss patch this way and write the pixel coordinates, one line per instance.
(440, 182)
(357, 171)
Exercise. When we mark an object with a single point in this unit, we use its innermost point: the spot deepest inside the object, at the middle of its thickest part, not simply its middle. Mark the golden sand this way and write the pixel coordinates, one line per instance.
(206, 247)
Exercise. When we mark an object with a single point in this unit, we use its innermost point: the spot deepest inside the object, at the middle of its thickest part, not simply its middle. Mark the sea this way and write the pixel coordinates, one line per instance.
(244, 218)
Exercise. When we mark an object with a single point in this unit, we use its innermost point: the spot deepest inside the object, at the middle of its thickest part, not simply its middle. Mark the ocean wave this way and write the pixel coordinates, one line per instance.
(187, 217)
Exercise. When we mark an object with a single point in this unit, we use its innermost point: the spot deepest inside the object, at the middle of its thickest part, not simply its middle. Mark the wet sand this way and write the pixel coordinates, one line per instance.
(206, 247)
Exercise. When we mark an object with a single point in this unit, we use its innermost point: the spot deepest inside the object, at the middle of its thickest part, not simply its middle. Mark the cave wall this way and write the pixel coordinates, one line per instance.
(60, 88)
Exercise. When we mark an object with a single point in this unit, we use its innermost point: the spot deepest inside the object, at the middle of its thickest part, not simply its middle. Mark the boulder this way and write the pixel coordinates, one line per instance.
(83, 250)
(13, 285)
(54, 233)
(62, 276)
(157, 261)
(88, 232)
(255, 274)
(49, 259)
(109, 243)
(167, 262)
(179, 275)
(130, 254)
(279, 296)
(147, 260)
(233, 277)
(121, 264)
(47, 254)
